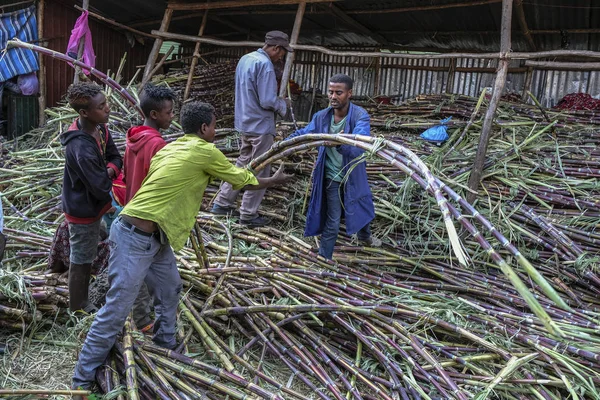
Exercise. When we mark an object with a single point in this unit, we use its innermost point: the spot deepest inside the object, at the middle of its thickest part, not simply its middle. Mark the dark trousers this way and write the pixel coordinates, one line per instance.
(334, 197)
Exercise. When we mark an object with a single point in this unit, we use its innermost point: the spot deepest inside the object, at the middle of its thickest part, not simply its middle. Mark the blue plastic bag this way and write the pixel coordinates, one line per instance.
(438, 133)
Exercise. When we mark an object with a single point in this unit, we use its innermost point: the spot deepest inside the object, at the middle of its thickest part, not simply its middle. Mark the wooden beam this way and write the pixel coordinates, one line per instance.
(188, 85)
(289, 60)
(527, 85)
(451, 76)
(118, 25)
(425, 8)
(236, 27)
(41, 6)
(146, 22)
(377, 77)
(564, 66)
(18, 3)
(324, 50)
(505, 43)
(86, 5)
(357, 25)
(164, 26)
(183, 6)
(524, 26)
(157, 67)
(373, 11)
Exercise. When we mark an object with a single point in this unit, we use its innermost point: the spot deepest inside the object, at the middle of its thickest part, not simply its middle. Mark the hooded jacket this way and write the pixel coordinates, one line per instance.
(86, 185)
(358, 201)
(143, 142)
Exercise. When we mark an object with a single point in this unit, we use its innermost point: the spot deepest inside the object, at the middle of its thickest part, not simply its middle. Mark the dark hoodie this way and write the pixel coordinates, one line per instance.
(86, 185)
(143, 142)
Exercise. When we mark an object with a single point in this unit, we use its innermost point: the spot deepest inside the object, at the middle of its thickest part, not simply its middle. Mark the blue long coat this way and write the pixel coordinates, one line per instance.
(358, 200)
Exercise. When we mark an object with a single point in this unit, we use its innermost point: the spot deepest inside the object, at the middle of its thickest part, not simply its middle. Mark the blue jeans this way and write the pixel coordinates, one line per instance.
(133, 259)
(334, 195)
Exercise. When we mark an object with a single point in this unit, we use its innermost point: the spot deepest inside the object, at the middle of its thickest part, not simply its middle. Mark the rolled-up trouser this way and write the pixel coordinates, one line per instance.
(133, 258)
(252, 147)
(83, 240)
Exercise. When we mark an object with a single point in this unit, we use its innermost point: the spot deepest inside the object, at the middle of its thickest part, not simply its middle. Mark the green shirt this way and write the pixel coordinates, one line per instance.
(333, 159)
(171, 194)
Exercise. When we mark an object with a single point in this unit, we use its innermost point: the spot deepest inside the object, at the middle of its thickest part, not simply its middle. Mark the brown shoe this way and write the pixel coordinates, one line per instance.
(370, 242)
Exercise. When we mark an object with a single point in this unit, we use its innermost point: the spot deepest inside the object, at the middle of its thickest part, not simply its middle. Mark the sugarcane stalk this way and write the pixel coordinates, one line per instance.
(63, 57)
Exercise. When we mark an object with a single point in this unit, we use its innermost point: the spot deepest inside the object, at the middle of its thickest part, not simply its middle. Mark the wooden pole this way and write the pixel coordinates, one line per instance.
(158, 42)
(523, 24)
(85, 6)
(527, 85)
(156, 68)
(115, 23)
(325, 50)
(377, 77)
(451, 76)
(289, 60)
(315, 81)
(505, 43)
(564, 66)
(42, 73)
(205, 5)
(188, 85)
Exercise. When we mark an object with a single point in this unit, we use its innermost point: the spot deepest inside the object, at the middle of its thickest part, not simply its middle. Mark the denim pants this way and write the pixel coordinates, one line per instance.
(334, 195)
(252, 147)
(133, 258)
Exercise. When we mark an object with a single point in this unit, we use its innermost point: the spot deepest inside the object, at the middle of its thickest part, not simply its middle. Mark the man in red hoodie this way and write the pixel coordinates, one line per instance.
(144, 141)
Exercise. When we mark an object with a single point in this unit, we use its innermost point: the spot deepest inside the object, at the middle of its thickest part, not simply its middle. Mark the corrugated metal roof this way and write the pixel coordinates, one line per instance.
(420, 26)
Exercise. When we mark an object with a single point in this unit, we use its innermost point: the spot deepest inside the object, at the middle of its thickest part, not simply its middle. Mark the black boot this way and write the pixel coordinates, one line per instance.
(79, 282)
(2, 245)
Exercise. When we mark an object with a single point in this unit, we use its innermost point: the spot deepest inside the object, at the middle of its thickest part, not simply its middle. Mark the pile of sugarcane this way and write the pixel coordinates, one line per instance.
(264, 317)
(212, 83)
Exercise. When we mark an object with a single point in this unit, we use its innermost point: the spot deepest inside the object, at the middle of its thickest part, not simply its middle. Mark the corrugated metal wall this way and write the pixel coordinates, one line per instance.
(405, 79)
(109, 46)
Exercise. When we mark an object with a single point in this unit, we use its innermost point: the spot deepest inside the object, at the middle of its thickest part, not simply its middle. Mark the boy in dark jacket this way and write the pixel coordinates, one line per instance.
(340, 184)
(91, 162)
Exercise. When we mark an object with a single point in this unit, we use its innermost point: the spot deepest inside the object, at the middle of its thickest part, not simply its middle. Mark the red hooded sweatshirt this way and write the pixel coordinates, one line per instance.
(143, 143)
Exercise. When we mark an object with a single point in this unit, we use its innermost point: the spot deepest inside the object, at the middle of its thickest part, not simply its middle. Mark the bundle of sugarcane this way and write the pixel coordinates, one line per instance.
(212, 83)
(27, 299)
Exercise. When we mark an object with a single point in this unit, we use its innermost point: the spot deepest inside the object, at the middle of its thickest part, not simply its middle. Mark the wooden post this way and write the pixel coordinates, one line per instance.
(377, 77)
(42, 72)
(157, 67)
(523, 24)
(188, 86)
(85, 6)
(289, 60)
(505, 43)
(451, 76)
(158, 42)
(527, 85)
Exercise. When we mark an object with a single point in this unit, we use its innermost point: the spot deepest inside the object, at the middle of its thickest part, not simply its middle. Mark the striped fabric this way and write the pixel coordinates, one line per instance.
(20, 24)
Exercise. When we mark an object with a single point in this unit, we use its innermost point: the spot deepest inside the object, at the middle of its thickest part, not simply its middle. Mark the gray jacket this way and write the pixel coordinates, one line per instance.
(256, 100)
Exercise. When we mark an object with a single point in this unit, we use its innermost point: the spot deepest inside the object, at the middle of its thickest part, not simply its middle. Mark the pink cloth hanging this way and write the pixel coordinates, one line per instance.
(82, 30)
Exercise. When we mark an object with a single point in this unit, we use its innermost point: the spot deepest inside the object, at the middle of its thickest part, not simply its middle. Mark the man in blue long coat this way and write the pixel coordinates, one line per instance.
(340, 180)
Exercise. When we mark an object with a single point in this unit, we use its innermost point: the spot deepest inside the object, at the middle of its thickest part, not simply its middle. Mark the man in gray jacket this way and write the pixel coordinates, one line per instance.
(256, 104)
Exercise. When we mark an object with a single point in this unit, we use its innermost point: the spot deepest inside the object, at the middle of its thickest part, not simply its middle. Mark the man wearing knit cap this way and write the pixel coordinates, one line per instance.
(256, 104)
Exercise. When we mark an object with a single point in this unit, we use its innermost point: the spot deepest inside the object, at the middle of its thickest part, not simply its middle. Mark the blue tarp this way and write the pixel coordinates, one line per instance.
(20, 24)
